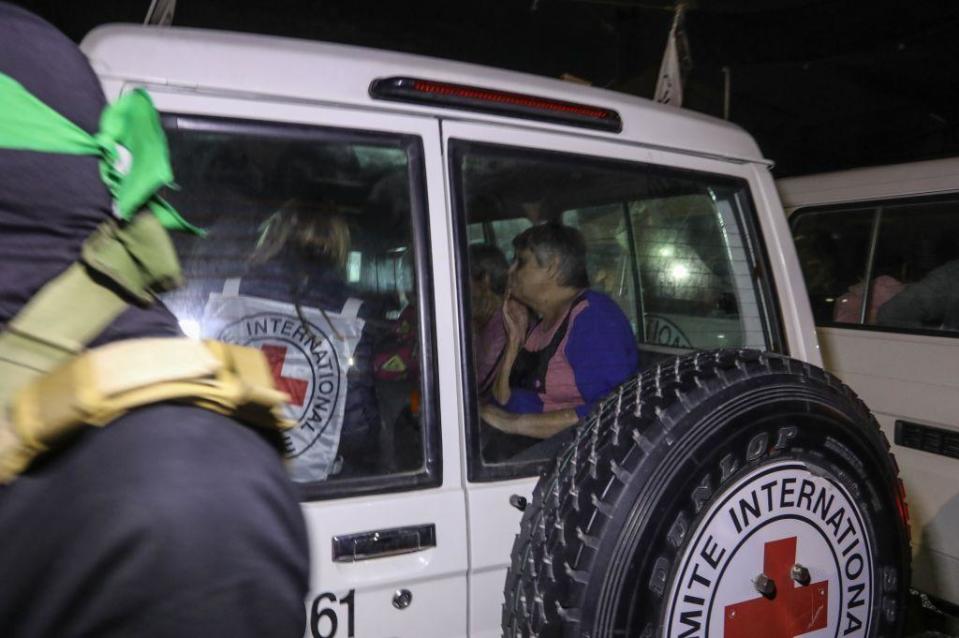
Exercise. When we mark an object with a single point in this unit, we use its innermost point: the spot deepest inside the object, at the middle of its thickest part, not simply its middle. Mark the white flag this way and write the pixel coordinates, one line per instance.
(669, 85)
(160, 13)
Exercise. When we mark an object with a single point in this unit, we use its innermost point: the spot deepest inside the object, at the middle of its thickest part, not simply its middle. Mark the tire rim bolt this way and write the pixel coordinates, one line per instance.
(765, 585)
(800, 574)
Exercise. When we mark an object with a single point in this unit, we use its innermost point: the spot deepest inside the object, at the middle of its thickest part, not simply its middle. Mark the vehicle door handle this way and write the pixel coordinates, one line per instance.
(351, 548)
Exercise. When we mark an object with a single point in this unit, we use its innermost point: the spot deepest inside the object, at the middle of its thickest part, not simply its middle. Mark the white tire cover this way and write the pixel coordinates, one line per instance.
(777, 516)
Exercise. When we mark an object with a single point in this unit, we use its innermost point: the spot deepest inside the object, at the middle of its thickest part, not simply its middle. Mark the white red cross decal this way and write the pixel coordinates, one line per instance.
(296, 388)
(792, 611)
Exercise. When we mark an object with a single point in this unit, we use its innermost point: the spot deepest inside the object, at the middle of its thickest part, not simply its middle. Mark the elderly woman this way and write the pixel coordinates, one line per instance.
(578, 347)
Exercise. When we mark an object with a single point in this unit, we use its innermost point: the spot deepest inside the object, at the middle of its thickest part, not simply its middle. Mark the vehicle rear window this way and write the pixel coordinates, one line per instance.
(668, 247)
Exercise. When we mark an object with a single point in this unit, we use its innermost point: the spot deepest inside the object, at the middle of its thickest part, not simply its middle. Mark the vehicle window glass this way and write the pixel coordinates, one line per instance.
(667, 269)
(697, 288)
(608, 258)
(913, 271)
(917, 261)
(312, 256)
(833, 249)
(476, 233)
(502, 232)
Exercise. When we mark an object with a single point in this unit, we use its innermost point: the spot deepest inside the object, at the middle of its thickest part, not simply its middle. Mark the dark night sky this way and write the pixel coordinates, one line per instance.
(821, 84)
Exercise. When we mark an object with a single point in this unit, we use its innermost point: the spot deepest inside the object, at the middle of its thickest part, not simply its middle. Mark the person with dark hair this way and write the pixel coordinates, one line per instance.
(175, 517)
(488, 276)
(580, 345)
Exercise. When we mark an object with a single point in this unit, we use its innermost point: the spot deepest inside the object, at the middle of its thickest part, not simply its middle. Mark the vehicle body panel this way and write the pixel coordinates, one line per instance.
(457, 586)
(901, 376)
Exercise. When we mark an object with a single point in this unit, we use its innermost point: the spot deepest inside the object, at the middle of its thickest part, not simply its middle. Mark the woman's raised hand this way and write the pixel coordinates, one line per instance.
(516, 319)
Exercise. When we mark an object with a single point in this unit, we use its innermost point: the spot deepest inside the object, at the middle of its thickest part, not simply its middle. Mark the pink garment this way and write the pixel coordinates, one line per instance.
(488, 347)
(848, 306)
(560, 378)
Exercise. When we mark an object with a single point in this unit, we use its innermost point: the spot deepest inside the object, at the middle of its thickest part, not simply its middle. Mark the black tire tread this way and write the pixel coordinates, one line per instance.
(553, 552)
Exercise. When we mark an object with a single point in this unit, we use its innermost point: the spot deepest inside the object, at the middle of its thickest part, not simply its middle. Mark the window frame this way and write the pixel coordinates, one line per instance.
(431, 473)
(876, 207)
(746, 218)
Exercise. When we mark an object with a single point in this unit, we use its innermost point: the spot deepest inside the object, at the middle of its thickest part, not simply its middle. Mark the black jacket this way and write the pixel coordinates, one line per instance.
(932, 302)
(172, 521)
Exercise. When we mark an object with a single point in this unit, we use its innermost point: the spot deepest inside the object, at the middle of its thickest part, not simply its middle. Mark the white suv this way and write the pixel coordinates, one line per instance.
(677, 493)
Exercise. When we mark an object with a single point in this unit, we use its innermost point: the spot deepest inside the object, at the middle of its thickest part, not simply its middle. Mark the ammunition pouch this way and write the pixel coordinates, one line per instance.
(99, 386)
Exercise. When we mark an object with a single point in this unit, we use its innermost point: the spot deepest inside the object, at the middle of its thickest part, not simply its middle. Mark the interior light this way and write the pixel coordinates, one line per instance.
(679, 272)
(666, 251)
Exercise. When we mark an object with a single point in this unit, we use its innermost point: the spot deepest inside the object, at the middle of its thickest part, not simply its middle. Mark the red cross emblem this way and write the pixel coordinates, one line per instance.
(793, 611)
(296, 388)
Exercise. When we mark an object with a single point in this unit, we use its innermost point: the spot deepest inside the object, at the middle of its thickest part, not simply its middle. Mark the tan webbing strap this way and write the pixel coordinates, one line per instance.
(102, 384)
(139, 257)
(63, 317)
(48, 389)
(73, 308)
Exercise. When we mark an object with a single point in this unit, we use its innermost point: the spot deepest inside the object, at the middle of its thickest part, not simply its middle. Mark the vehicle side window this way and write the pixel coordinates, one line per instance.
(668, 268)
(315, 254)
(918, 246)
(833, 249)
(913, 271)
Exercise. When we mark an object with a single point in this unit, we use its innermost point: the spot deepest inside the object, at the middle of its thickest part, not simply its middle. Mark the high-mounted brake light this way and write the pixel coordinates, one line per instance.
(474, 98)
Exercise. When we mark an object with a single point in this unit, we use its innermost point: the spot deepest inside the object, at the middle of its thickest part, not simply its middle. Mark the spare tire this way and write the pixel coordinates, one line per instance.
(731, 493)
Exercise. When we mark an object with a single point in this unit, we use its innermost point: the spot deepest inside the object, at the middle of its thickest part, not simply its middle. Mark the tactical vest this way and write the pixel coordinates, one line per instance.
(52, 385)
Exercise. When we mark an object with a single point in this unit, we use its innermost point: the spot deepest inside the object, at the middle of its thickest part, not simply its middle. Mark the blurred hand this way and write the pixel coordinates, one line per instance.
(516, 319)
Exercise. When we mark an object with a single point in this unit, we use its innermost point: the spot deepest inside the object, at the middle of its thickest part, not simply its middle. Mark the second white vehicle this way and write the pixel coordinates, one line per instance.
(897, 343)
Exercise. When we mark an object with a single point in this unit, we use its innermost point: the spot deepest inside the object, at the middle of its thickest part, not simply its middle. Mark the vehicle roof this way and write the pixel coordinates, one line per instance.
(341, 74)
(862, 184)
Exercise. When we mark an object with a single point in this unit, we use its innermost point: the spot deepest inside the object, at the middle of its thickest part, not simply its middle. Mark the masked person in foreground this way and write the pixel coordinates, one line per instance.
(578, 348)
(171, 519)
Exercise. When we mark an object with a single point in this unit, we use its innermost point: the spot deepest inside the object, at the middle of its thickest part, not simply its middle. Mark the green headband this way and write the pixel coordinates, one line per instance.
(134, 160)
